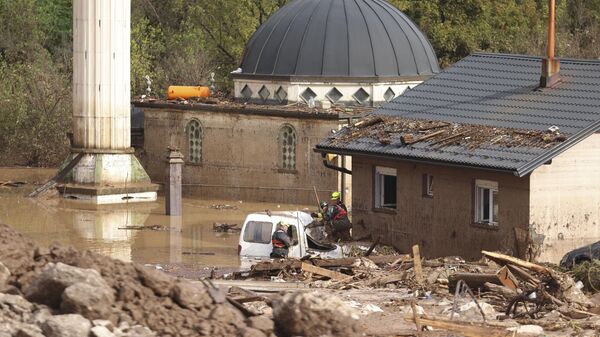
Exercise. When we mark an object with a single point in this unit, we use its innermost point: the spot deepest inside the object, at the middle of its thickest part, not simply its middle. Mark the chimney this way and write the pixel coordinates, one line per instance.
(550, 65)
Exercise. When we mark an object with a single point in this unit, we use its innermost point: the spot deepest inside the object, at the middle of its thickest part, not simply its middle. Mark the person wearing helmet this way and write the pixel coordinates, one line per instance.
(336, 197)
(281, 241)
(337, 215)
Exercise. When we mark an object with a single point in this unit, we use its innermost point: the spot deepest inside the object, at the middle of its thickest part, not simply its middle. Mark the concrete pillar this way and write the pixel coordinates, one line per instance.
(108, 172)
(173, 183)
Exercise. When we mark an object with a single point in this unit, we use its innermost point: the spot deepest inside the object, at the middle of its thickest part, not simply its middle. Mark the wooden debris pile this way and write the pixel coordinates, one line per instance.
(438, 134)
(519, 289)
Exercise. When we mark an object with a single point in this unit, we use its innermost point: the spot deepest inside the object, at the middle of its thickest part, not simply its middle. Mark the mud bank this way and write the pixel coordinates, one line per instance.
(59, 291)
(62, 292)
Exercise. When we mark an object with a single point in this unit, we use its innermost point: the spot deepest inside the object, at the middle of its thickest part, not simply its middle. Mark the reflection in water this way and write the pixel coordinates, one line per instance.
(106, 225)
(188, 239)
(175, 226)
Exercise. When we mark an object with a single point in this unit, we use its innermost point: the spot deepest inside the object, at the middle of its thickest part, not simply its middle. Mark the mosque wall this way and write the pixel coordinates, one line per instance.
(234, 156)
(335, 92)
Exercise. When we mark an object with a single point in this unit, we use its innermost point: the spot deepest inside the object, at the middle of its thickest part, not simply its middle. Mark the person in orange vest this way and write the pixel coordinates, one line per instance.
(337, 215)
(336, 197)
(281, 241)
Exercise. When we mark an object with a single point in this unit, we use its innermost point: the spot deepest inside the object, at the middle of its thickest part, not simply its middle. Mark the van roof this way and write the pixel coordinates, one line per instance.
(281, 214)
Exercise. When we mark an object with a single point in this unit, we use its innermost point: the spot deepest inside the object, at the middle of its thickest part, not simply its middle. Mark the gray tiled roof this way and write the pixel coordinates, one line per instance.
(499, 91)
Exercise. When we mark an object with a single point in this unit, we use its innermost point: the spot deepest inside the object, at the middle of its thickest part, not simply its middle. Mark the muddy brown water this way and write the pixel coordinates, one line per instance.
(187, 241)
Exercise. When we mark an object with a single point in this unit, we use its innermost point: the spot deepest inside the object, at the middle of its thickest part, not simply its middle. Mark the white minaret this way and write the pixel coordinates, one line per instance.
(101, 74)
(108, 172)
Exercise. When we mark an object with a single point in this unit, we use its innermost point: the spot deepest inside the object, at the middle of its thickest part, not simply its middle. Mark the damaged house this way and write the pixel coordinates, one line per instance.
(484, 155)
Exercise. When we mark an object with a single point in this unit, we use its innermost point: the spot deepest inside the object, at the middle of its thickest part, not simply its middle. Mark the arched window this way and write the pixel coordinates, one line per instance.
(287, 147)
(194, 138)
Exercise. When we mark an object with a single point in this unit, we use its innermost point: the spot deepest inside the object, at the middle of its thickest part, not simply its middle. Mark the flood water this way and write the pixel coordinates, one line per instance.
(188, 240)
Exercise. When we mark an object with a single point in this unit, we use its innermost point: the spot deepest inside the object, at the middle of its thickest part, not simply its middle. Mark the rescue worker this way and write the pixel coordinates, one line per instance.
(281, 241)
(336, 197)
(337, 216)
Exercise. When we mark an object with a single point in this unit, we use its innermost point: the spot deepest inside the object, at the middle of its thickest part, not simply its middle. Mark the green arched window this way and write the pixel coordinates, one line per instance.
(287, 147)
(194, 138)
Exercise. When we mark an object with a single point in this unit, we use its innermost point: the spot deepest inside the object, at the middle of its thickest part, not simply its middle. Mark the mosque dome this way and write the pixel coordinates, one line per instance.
(339, 39)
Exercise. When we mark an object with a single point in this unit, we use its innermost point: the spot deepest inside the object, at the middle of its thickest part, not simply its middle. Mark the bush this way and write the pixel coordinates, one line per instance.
(588, 272)
(35, 113)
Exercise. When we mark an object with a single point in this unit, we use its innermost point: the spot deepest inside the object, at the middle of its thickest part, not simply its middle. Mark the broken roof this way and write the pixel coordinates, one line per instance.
(227, 105)
(494, 92)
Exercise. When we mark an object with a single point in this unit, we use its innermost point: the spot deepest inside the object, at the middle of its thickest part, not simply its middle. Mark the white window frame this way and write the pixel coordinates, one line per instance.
(380, 174)
(428, 185)
(483, 187)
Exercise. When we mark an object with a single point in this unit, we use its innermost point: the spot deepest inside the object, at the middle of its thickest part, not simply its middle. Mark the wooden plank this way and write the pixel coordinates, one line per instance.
(464, 328)
(386, 279)
(443, 125)
(520, 273)
(262, 286)
(506, 278)
(59, 176)
(334, 275)
(506, 259)
(447, 139)
(473, 280)
(410, 140)
(416, 319)
(366, 123)
(417, 262)
(324, 263)
(373, 245)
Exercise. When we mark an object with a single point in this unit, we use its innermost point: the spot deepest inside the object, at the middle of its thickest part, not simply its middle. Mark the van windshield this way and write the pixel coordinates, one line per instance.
(258, 232)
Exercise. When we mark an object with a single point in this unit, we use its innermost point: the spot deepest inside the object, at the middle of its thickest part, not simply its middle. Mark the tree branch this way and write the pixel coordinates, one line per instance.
(219, 45)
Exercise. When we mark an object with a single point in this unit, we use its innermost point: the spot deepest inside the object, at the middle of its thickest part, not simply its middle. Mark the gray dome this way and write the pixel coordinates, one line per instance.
(339, 38)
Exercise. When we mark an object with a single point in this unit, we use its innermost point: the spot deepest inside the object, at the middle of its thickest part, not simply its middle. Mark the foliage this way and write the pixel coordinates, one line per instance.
(588, 272)
(35, 81)
(180, 42)
(35, 112)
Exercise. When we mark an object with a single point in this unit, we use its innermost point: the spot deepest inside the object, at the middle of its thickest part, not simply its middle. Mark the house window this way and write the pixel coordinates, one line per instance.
(385, 187)
(287, 148)
(427, 185)
(486, 202)
(194, 137)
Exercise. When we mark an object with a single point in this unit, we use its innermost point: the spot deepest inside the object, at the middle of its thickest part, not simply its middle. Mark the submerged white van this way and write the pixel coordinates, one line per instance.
(258, 228)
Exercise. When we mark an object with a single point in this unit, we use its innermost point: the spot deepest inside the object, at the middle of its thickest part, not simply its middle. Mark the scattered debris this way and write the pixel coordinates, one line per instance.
(223, 207)
(12, 183)
(225, 228)
(198, 253)
(220, 101)
(589, 273)
(406, 131)
(482, 298)
(159, 228)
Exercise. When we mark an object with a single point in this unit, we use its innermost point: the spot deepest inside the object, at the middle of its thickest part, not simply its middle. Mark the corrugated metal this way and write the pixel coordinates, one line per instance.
(332, 38)
(500, 91)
